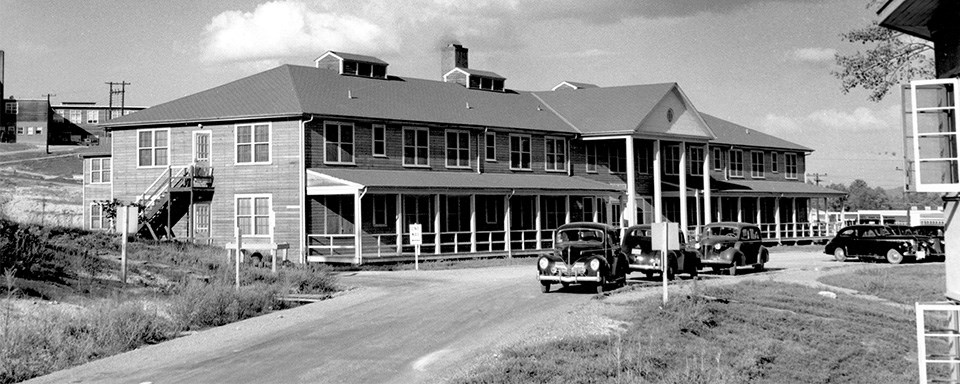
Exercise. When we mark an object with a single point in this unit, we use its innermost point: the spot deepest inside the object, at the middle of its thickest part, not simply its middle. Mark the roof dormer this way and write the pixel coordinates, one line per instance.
(476, 79)
(352, 64)
(573, 85)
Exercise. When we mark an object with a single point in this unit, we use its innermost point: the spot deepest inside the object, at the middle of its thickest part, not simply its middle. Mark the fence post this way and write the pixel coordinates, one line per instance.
(238, 255)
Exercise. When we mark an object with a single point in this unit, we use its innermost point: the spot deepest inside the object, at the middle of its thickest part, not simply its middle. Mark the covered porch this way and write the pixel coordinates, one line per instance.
(462, 214)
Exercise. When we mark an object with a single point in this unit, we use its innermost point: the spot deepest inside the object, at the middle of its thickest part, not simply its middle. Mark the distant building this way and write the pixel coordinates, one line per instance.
(35, 121)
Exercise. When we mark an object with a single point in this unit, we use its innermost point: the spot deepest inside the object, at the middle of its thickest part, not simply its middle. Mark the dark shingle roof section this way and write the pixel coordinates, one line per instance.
(729, 133)
(296, 90)
(464, 180)
(607, 110)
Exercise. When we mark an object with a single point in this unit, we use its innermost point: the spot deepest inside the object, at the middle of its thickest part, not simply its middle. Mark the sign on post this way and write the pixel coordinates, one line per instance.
(416, 239)
(126, 224)
(664, 237)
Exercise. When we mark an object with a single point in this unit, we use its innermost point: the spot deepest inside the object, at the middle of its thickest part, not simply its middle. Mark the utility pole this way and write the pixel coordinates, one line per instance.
(817, 177)
(114, 90)
(49, 120)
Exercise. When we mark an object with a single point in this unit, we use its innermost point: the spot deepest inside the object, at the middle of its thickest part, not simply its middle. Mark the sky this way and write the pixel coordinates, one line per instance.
(764, 64)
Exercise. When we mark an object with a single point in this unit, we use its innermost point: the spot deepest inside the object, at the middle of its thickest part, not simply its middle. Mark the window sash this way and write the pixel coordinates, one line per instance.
(520, 152)
(253, 215)
(736, 163)
(491, 146)
(253, 144)
(555, 154)
(153, 147)
(756, 164)
(591, 153)
(672, 163)
(96, 216)
(717, 159)
(380, 216)
(379, 140)
(774, 162)
(458, 149)
(696, 161)
(416, 147)
(790, 160)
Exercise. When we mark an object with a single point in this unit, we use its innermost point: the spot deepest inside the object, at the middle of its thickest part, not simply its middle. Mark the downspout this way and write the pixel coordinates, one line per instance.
(303, 190)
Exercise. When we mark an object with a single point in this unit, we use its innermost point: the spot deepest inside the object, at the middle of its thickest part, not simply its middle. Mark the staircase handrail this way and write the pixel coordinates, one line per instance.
(150, 196)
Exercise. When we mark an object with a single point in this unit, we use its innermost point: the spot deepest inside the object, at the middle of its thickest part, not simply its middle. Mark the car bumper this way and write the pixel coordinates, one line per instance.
(568, 279)
(715, 263)
(645, 268)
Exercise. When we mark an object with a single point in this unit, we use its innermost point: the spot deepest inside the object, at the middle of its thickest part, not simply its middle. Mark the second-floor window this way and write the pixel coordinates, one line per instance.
(774, 162)
(616, 159)
(416, 147)
(555, 153)
(644, 158)
(490, 147)
(153, 147)
(590, 149)
(520, 152)
(76, 116)
(10, 108)
(790, 165)
(717, 159)
(736, 163)
(756, 164)
(100, 171)
(379, 140)
(253, 144)
(93, 117)
(696, 161)
(338, 143)
(458, 149)
(671, 159)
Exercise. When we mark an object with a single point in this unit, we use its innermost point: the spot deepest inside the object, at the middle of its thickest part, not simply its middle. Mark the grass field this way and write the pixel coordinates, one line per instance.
(904, 284)
(752, 332)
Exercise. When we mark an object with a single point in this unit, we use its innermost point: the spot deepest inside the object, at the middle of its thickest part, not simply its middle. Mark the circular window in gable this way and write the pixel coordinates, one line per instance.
(669, 115)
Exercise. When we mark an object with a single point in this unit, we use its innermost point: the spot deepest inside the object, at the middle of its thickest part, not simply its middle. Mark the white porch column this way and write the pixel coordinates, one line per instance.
(759, 212)
(740, 209)
(657, 181)
(538, 222)
(596, 209)
(719, 209)
(631, 207)
(436, 224)
(707, 195)
(506, 226)
(793, 214)
(399, 224)
(696, 199)
(357, 228)
(684, 220)
(776, 219)
(566, 205)
(473, 223)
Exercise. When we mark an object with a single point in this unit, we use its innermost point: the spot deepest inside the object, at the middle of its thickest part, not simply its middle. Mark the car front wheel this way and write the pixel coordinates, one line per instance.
(839, 254)
(894, 256)
(601, 283)
(544, 287)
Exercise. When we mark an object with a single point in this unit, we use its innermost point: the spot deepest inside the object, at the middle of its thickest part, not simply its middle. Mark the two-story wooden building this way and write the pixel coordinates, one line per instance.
(333, 162)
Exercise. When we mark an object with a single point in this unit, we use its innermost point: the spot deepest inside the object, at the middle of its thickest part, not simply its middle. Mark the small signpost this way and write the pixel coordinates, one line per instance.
(664, 237)
(416, 238)
(239, 254)
(126, 224)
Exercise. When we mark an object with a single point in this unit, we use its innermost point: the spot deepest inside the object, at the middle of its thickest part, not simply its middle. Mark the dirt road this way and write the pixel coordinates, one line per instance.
(397, 327)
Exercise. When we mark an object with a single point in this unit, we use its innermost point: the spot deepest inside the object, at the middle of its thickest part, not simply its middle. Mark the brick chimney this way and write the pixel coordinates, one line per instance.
(452, 55)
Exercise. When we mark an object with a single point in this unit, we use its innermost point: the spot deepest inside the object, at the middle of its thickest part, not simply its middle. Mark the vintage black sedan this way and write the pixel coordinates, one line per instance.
(584, 253)
(934, 236)
(875, 242)
(728, 245)
(642, 258)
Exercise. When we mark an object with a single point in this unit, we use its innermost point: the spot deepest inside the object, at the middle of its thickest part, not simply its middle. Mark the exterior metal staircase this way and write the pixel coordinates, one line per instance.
(169, 198)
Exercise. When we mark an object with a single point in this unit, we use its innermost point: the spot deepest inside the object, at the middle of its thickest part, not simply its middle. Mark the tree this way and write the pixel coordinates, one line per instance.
(891, 58)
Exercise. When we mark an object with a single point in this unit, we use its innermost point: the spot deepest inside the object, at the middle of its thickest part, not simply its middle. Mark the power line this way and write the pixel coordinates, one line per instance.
(816, 177)
(114, 91)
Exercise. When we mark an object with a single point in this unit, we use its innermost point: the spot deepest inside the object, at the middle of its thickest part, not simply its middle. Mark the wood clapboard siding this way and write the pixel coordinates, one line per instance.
(92, 192)
(280, 178)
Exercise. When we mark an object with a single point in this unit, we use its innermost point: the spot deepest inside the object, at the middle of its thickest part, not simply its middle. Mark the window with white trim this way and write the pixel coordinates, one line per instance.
(93, 117)
(379, 140)
(458, 149)
(10, 108)
(20, 130)
(555, 153)
(644, 158)
(380, 214)
(253, 143)
(790, 165)
(717, 159)
(671, 160)
(338, 142)
(491, 146)
(590, 148)
(775, 162)
(31, 130)
(756, 164)
(153, 147)
(76, 116)
(97, 219)
(253, 214)
(736, 163)
(115, 113)
(416, 147)
(39, 130)
(100, 170)
(520, 152)
(616, 159)
(696, 161)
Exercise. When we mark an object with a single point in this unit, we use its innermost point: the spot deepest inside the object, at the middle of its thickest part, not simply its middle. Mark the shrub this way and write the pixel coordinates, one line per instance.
(200, 305)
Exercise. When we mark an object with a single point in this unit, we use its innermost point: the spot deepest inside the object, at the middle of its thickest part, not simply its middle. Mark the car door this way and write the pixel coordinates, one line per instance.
(749, 244)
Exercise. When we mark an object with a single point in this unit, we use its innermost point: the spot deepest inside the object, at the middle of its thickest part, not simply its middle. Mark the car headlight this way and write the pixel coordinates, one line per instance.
(697, 246)
(718, 246)
(595, 264)
(543, 263)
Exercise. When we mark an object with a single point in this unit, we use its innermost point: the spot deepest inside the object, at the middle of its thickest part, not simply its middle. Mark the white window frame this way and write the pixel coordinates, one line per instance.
(353, 142)
(416, 145)
(695, 161)
(590, 152)
(373, 133)
(717, 159)
(787, 173)
(644, 158)
(380, 219)
(253, 144)
(735, 171)
(615, 157)
(253, 216)
(11, 108)
(775, 162)
(446, 148)
(671, 157)
(101, 220)
(39, 130)
(487, 147)
(757, 169)
(76, 116)
(96, 174)
(520, 151)
(93, 116)
(31, 131)
(153, 148)
(20, 130)
(558, 155)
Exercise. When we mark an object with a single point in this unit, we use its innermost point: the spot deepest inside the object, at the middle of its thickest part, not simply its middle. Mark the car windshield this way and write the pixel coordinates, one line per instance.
(721, 231)
(579, 234)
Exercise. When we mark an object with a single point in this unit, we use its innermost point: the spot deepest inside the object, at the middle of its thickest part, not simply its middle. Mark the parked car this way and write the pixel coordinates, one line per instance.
(934, 235)
(728, 245)
(875, 242)
(584, 253)
(637, 245)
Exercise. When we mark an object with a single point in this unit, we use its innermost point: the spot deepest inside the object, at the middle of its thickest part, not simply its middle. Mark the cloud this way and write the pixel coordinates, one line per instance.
(287, 28)
(861, 119)
(612, 11)
(813, 54)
